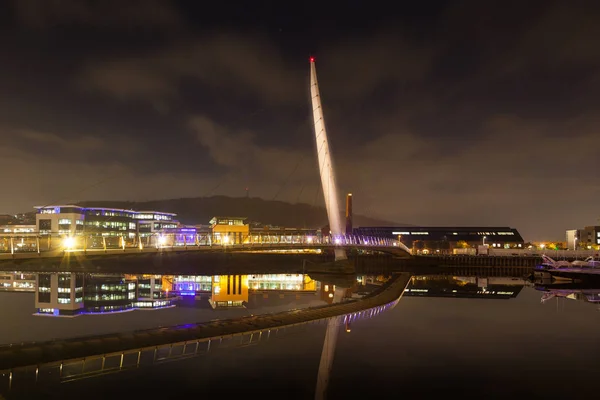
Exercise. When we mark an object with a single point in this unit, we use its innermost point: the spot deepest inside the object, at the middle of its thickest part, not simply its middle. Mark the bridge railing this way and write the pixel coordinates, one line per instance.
(34, 242)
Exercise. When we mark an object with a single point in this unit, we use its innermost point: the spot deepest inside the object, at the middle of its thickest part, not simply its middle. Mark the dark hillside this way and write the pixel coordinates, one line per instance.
(200, 210)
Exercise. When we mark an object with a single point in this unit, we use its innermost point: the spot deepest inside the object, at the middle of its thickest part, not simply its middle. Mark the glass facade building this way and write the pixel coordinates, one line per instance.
(102, 226)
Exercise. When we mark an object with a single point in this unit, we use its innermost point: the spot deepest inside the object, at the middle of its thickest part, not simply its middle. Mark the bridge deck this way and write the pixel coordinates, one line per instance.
(95, 253)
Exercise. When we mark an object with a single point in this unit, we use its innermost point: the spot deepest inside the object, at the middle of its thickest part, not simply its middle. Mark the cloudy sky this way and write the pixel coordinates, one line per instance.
(464, 113)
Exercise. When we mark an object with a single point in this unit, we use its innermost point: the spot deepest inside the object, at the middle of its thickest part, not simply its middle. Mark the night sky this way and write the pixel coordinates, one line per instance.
(464, 113)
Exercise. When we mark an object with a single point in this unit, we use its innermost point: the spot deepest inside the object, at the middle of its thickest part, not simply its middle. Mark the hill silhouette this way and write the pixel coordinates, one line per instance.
(199, 210)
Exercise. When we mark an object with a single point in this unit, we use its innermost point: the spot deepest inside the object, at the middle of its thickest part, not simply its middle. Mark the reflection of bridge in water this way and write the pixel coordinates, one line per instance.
(51, 362)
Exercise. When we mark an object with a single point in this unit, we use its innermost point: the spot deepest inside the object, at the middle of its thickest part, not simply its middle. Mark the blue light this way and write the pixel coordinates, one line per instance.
(187, 293)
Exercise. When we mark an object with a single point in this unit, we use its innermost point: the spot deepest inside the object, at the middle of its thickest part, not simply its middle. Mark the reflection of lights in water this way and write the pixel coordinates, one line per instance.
(330, 294)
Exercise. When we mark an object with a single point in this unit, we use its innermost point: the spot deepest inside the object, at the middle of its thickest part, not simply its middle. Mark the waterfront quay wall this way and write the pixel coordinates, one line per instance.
(167, 262)
(472, 261)
(219, 263)
(56, 353)
(191, 263)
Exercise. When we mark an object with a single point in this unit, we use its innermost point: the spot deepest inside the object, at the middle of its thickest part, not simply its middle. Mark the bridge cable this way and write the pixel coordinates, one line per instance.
(289, 176)
(300, 194)
(316, 195)
(83, 190)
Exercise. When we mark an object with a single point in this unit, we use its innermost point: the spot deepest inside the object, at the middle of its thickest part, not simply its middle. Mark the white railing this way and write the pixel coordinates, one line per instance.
(22, 243)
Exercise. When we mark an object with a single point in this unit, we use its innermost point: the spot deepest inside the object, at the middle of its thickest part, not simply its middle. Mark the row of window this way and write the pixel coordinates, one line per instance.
(454, 233)
(106, 213)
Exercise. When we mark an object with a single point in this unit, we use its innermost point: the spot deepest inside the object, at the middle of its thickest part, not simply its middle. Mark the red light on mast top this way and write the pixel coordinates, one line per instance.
(312, 59)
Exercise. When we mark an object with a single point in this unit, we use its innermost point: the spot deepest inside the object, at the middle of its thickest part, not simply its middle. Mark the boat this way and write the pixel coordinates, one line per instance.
(589, 262)
(567, 271)
(549, 263)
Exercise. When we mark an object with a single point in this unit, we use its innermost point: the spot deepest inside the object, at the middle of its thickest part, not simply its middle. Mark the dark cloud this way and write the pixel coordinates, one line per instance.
(477, 113)
(107, 13)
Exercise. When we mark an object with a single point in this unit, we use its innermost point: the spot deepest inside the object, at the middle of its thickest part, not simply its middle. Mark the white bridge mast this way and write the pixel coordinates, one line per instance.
(325, 164)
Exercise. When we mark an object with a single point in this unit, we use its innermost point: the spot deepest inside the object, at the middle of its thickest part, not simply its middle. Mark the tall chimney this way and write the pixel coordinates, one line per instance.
(349, 214)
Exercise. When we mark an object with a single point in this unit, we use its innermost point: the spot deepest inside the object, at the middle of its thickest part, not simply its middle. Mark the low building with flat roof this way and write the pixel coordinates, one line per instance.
(587, 238)
(443, 239)
(229, 230)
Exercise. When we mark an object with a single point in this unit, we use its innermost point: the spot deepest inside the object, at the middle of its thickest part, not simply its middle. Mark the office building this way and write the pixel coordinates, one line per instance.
(587, 238)
(445, 239)
(101, 226)
(18, 228)
(229, 230)
(572, 237)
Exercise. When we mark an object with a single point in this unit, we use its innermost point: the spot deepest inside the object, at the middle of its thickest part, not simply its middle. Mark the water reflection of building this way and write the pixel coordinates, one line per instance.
(464, 287)
(272, 290)
(327, 290)
(188, 285)
(109, 294)
(72, 294)
(150, 287)
(294, 282)
(233, 291)
(229, 291)
(59, 294)
(17, 282)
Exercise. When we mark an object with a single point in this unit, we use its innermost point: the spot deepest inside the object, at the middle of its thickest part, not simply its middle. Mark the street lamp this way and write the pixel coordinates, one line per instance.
(69, 242)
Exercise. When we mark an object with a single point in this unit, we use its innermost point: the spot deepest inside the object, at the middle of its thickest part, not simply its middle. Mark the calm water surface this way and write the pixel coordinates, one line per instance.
(487, 347)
